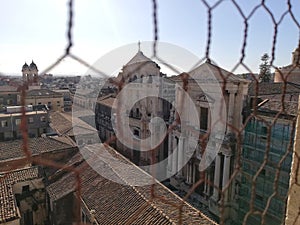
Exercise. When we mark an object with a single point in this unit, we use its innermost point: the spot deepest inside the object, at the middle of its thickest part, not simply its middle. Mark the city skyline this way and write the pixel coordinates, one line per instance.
(36, 31)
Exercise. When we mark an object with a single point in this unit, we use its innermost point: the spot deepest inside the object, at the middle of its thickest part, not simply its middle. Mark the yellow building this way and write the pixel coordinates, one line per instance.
(52, 99)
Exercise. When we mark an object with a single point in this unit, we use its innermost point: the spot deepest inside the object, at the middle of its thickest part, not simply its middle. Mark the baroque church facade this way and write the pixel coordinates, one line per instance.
(147, 93)
(139, 79)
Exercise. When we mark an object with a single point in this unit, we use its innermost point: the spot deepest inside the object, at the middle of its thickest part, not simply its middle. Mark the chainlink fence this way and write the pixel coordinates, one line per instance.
(258, 176)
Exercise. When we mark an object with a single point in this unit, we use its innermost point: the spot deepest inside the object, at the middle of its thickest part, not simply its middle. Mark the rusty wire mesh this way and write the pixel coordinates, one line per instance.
(238, 131)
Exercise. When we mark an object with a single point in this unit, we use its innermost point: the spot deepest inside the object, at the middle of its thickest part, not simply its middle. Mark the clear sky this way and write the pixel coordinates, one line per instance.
(35, 29)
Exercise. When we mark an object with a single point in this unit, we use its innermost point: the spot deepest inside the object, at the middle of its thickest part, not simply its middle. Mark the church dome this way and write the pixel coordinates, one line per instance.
(25, 67)
(139, 58)
(33, 65)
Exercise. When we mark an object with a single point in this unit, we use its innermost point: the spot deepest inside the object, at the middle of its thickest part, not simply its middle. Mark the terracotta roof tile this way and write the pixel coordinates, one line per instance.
(290, 108)
(107, 101)
(13, 149)
(116, 203)
(62, 123)
(7, 88)
(8, 206)
(272, 88)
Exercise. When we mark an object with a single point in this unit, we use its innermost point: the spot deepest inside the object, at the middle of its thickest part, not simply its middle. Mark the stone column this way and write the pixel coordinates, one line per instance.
(180, 155)
(174, 156)
(226, 171)
(170, 148)
(217, 177)
(231, 107)
(190, 173)
(205, 182)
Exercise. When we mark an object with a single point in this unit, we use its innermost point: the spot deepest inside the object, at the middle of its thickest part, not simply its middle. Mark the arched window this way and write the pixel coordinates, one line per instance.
(134, 78)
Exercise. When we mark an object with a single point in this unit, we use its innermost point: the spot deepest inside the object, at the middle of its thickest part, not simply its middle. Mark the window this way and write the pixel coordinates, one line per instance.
(259, 198)
(30, 120)
(4, 123)
(244, 180)
(18, 121)
(203, 118)
(28, 217)
(136, 133)
(25, 188)
(43, 119)
(264, 130)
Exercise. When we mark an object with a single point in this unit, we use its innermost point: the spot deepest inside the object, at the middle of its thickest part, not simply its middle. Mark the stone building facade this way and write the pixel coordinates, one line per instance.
(147, 93)
(140, 78)
(216, 176)
(37, 122)
(67, 98)
(290, 73)
(8, 96)
(52, 99)
(22, 197)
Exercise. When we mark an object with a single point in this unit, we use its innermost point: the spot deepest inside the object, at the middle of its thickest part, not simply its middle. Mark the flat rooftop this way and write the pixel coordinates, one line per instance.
(20, 114)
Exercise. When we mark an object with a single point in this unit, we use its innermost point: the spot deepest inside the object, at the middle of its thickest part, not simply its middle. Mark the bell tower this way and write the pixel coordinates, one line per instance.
(30, 75)
(25, 72)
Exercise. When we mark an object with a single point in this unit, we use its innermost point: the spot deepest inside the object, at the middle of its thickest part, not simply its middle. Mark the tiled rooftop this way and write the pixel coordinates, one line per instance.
(13, 149)
(272, 88)
(63, 125)
(290, 108)
(8, 206)
(107, 101)
(7, 88)
(116, 203)
(3, 115)
(42, 93)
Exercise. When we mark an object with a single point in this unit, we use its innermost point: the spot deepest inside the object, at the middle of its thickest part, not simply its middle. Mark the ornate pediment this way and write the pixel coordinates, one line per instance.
(205, 98)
